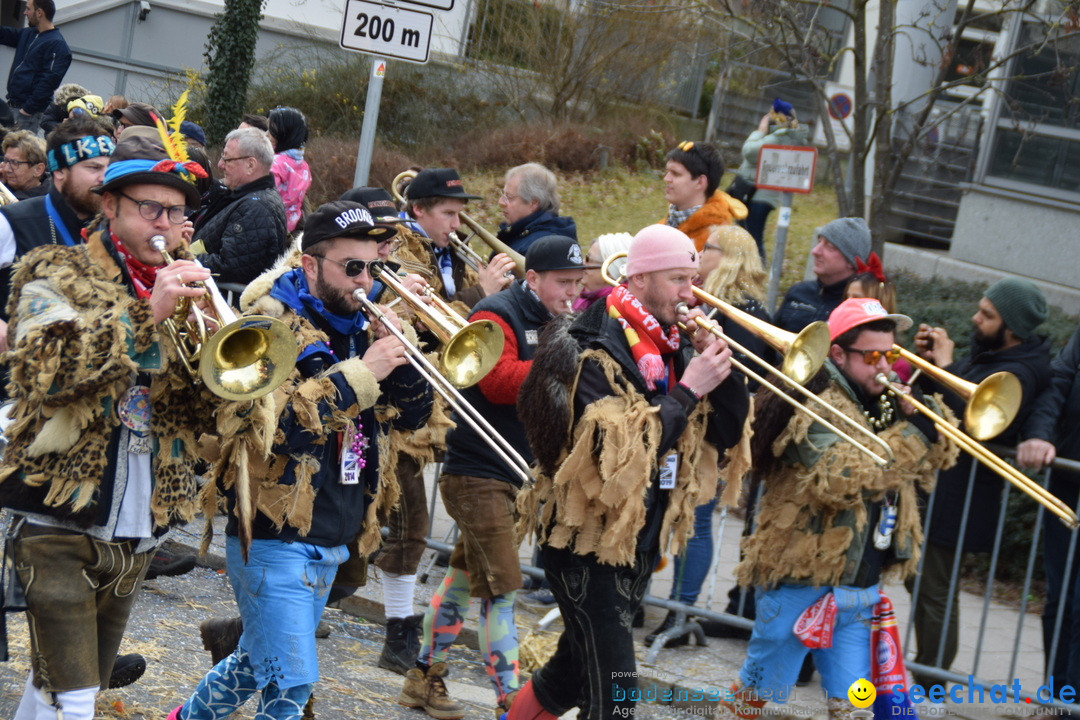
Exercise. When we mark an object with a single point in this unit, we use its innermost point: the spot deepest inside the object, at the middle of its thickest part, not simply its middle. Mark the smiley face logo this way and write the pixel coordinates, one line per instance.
(862, 693)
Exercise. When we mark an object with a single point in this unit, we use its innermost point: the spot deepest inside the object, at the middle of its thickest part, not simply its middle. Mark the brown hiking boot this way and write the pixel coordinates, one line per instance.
(504, 707)
(220, 636)
(428, 692)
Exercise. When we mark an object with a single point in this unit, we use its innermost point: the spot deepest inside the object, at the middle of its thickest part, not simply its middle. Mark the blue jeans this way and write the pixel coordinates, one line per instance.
(693, 565)
(281, 593)
(775, 654)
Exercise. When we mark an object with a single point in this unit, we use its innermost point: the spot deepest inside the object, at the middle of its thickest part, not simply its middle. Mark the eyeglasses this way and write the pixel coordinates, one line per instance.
(16, 163)
(352, 267)
(238, 157)
(873, 357)
(509, 198)
(151, 210)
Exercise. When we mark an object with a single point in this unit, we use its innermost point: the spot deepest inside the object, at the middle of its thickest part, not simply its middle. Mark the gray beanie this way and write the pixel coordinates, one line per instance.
(850, 235)
(1021, 305)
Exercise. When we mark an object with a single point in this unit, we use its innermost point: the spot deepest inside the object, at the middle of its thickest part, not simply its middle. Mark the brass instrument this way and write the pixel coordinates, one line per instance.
(244, 359)
(461, 246)
(803, 356)
(445, 387)
(969, 445)
(991, 405)
(469, 349)
(6, 196)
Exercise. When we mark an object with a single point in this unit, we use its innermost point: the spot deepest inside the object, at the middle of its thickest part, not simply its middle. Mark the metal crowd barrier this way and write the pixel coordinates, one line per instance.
(982, 676)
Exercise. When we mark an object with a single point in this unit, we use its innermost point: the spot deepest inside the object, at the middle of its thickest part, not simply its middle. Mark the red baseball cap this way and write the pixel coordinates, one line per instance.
(859, 311)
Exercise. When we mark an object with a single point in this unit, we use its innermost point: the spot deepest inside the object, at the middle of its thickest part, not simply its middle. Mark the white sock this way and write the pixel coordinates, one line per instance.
(397, 591)
(38, 705)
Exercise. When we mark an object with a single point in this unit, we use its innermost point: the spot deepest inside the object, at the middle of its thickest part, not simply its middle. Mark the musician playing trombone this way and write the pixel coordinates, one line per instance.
(1003, 338)
(832, 523)
(316, 492)
(627, 426)
(434, 201)
(478, 487)
(102, 444)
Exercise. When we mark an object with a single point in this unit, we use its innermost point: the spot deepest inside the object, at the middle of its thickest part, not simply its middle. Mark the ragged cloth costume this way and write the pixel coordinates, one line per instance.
(831, 520)
(315, 495)
(601, 434)
(103, 439)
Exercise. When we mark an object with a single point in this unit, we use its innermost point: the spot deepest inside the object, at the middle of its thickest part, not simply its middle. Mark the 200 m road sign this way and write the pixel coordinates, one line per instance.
(387, 31)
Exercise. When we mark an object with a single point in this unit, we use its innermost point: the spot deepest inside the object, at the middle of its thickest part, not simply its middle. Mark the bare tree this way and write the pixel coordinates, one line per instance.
(885, 127)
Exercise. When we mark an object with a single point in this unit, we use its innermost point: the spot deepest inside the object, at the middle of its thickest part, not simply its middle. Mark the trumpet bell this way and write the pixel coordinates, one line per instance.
(471, 353)
(807, 352)
(992, 406)
(248, 358)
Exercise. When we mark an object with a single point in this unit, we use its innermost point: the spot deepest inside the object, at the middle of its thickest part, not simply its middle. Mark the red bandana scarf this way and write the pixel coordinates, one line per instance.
(142, 275)
(644, 334)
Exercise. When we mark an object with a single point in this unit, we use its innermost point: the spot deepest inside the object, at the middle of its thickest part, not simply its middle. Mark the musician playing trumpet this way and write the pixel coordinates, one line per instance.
(102, 443)
(315, 494)
(832, 524)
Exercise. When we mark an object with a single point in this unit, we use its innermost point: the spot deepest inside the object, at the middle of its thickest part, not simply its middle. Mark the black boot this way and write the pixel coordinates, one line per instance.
(398, 653)
(126, 670)
(669, 622)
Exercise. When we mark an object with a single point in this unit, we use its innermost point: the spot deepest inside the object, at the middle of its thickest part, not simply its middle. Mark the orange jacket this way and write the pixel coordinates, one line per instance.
(720, 209)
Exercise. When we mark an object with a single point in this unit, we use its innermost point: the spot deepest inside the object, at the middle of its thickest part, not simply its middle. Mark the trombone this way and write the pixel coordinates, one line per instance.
(991, 405)
(461, 246)
(445, 387)
(470, 349)
(969, 445)
(244, 359)
(803, 356)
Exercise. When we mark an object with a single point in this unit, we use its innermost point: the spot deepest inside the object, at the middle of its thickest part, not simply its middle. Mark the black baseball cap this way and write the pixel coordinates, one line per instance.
(437, 182)
(376, 200)
(555, 252)
(342, 218)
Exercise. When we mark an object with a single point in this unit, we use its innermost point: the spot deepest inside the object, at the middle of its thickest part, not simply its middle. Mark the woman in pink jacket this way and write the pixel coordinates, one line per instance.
(288, 132)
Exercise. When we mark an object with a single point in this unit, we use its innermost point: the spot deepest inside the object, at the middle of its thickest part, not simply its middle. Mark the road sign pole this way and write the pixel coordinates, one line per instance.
(779, 248)
(371, 119)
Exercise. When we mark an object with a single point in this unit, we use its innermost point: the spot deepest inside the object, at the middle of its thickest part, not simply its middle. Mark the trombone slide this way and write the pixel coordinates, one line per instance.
(969, 445)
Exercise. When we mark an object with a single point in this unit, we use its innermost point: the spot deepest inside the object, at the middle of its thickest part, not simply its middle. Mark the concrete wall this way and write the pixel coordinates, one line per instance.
(1020, 234)
(115, 52)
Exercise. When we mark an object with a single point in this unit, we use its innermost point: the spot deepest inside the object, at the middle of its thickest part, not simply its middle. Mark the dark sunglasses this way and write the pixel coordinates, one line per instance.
(872, 357)
(352, 267)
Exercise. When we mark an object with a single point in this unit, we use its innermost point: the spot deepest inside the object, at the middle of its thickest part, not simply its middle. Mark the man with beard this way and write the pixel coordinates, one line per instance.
(78, 152)
(1003, 339)
(314, 495)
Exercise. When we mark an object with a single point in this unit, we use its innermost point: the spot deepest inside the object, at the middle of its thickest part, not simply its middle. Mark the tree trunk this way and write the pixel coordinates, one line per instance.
(883, 122)
(862, 111)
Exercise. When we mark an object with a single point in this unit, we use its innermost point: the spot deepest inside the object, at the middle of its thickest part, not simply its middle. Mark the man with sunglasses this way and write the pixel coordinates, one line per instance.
(99, 461)
(695, 204)
(316, 493)
(1003, 338)
(831, 522)
(243, 232)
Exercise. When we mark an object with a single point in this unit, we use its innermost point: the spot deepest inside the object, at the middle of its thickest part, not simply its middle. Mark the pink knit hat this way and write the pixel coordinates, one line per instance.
(660, 247)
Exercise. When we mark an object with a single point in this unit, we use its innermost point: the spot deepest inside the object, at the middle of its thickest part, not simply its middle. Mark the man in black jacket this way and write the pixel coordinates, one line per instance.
(243, 232)
(41, 60)
(78, 152)
(478, 488)
(839, 243)
(1003, 339)
(1053, 430)
(530, 207)
(627, 424)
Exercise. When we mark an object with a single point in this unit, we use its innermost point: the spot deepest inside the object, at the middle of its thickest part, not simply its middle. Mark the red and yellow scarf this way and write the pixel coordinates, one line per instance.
(646, 336)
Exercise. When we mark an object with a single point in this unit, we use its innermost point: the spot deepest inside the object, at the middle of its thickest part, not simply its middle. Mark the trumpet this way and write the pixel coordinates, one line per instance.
(244, 359)
(969, 445)
(803, 356)
(445, 387)
(991, 405)
(469, 349)
(6, 196)
(461, 246)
